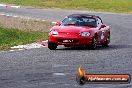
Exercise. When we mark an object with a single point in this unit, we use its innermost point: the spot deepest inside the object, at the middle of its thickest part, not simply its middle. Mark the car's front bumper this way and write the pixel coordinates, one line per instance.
(71, 40)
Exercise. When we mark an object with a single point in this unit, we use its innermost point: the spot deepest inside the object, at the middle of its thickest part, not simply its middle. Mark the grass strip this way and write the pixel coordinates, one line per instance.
(11, 37)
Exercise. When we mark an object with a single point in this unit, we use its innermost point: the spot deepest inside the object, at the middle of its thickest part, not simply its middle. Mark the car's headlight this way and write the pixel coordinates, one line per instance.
(85, 33)
(53, 32)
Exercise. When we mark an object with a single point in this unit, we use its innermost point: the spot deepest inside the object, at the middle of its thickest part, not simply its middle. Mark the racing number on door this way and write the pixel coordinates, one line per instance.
(102, 34)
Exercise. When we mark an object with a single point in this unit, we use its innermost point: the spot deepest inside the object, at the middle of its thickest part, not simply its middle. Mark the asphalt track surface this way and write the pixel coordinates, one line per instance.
(43, 68)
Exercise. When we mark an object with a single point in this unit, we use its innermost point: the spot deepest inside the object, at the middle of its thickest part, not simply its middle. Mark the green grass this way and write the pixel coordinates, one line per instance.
(97, 5)
(12, 37)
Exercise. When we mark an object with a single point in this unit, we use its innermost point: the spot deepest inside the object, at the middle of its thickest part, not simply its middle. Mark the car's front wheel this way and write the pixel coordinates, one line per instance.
(94, 43)
(52, 46)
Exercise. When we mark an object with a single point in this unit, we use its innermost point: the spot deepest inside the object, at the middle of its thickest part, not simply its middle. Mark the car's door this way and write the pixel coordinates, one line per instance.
(101, 30)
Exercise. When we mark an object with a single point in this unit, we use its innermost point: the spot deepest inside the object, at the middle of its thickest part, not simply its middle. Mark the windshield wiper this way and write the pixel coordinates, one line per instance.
(70, 24)
(89, 25)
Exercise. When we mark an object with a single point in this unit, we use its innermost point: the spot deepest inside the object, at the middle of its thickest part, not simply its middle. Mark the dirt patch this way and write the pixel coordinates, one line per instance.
(24, 24)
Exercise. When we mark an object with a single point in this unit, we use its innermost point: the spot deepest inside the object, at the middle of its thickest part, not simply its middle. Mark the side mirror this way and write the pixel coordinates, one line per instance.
(58, 23)
(103, 26)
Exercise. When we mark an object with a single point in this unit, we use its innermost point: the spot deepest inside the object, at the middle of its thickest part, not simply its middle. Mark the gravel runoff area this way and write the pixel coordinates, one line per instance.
(25, 23)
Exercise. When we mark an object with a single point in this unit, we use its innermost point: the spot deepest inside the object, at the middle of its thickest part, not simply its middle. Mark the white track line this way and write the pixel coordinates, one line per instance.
(9, 6)
(59, 74)
(2, 5)
(60, 65)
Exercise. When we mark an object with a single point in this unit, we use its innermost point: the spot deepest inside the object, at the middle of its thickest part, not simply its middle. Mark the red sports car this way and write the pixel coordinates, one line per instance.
(79, 30)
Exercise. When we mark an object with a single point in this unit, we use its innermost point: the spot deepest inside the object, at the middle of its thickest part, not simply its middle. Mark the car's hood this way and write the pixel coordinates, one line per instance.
(75, 29)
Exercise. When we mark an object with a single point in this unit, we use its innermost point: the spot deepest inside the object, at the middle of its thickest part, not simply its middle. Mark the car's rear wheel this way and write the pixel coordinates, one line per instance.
(52, 46)
(94, 42)
(107, 41)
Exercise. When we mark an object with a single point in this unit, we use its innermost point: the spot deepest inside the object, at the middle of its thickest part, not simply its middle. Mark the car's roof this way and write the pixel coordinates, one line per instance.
(83, 15)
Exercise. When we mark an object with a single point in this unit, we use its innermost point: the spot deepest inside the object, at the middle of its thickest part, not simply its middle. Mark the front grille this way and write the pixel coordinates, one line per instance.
(69, 34)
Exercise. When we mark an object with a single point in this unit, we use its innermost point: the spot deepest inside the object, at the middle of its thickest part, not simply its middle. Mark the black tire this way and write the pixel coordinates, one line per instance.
(52, 46)
(94, 43)
(106, 44)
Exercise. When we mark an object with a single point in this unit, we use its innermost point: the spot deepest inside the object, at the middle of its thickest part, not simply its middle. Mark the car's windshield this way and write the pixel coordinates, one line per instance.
(79, 21)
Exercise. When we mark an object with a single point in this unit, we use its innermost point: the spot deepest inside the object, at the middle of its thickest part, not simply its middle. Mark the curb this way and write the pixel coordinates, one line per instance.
(44, 43)
(30, 46)
(9, 6)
